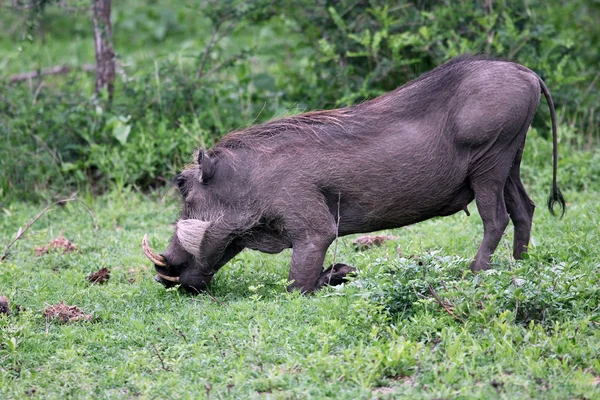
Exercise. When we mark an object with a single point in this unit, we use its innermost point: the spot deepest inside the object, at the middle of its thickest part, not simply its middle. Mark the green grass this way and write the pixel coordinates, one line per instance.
(527, 329)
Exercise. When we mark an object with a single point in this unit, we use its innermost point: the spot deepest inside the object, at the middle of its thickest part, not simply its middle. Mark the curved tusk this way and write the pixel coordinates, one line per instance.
(168, 278)
(157, 259)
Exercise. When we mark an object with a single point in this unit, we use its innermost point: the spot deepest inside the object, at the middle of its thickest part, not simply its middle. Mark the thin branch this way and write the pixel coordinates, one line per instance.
(47, 148)
(22, 231)
(162, 361)
(37, 93)
(209, 45)
(182, 335)
(225, 62)
(513, 52)
(90, 212)
(59, 70)
(337, 233)
(514, 280)
(444, 305)
(213, 298)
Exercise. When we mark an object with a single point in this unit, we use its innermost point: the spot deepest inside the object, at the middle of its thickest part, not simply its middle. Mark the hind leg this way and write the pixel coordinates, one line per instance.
(520, 208)
(489, 197)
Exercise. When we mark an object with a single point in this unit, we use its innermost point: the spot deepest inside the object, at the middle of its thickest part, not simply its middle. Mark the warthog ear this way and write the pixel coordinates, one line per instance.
(207, 165)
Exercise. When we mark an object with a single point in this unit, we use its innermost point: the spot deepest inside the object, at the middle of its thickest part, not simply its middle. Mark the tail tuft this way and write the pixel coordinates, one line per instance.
(556, 197)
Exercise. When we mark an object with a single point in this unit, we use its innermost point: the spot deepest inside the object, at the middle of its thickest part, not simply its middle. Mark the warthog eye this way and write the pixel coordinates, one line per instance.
(181, 184)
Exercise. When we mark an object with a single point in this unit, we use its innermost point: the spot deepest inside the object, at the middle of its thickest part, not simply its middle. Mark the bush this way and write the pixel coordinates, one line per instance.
(68, 139)
(271, 56)
(363, 49)
(538, 289)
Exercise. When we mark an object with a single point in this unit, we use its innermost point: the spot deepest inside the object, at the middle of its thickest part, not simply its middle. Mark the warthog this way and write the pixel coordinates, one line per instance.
(424, 150)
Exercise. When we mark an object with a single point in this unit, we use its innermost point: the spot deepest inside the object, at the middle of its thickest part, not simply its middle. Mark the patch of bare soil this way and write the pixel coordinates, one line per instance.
(59, 243)
(383, 390)
(100, 276)
(4, 306)
(368, 241)
(397, 385)
(65, 313)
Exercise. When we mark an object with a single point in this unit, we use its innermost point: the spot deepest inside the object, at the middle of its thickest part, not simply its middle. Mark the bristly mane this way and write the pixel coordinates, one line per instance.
(311, 123)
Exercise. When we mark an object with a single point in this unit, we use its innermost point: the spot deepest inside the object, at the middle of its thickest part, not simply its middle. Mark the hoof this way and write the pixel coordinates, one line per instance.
(335, 275)
(475, 267)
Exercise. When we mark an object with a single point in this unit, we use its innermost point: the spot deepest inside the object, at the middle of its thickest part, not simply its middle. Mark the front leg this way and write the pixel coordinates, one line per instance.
(311, 231)
(307, 264)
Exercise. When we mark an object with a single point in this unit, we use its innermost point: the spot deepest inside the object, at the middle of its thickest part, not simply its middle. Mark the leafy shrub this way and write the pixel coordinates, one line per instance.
(64, 138)
(274, 56)
(537, 289)
(363, 49)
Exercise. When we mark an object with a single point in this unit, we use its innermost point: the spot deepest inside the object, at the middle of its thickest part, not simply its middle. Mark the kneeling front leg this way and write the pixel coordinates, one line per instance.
(307, 264)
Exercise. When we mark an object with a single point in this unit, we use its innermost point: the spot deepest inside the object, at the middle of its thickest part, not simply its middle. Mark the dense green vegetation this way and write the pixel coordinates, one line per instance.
(414, 323)
(267, 58)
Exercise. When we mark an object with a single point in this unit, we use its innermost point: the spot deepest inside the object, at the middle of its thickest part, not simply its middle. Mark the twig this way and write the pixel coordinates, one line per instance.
(444, 285)
(209, 45)
(182, 335)
(48, 149)
(21, 231)
(90, 212)
(337, 233)
(37, 93)
(417, 293)
(443, 304)
(514, 280)
(225, 62)
(59, 70)
(162, 361)
(513, 52)
(213, 298)
(61, 203)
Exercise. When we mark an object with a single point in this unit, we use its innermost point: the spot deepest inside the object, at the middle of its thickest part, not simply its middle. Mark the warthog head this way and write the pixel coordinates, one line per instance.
(204, 238)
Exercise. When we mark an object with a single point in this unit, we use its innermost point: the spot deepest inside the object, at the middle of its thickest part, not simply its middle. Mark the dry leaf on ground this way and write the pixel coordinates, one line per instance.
(65, 313)
(60, 242)
(100, 276)
(368, 241)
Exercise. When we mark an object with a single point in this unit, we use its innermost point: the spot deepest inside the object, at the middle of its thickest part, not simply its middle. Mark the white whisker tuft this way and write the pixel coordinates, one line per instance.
(190, 233)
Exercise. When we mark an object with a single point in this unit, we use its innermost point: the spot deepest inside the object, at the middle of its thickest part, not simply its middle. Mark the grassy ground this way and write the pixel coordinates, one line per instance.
(527, 329)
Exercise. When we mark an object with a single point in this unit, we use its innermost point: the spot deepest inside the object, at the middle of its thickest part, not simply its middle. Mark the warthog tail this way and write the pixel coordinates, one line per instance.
(555, 193)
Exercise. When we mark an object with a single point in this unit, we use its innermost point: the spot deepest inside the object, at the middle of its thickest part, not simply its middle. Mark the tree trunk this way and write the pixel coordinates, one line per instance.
(105, 56)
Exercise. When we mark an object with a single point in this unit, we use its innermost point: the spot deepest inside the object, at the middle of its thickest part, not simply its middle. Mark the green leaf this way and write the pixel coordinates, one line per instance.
(377, 42)
(339, 22)
(121, 132)
(119, 127)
